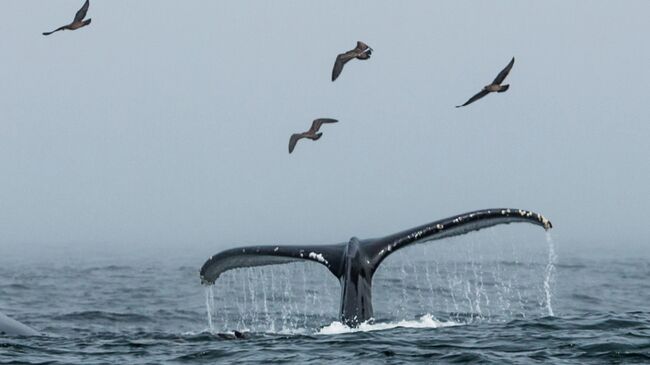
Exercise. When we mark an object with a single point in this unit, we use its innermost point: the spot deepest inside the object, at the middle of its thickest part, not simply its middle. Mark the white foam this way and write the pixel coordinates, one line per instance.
(426, 321)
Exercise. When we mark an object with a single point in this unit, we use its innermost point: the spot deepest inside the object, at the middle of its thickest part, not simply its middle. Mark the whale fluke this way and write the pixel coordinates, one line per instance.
(355, 262)
(12, 327)
(495, 86)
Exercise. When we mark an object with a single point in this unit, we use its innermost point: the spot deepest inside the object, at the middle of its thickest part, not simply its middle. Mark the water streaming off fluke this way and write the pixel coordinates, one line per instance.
(465, 279)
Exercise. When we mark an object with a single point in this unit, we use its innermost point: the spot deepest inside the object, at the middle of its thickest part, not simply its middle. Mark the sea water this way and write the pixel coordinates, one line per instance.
(493, 297)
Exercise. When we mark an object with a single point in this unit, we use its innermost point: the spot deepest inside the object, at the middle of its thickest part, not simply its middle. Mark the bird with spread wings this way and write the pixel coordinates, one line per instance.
(362, 52)
(495, 86)
(78, 21)
(310, 134)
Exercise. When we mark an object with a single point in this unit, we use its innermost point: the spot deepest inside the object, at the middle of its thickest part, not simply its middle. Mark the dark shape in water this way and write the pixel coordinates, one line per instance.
(78, 21)
(311, 133)
(495, 86)
(361, 52)
(12, 327)
(354, 263)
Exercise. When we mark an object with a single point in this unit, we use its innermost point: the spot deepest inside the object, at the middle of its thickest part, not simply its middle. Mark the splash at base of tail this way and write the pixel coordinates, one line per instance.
(354, 263)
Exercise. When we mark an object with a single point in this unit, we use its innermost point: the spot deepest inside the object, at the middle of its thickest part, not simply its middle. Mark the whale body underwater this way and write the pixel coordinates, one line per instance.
(12, 327)
(354, 263)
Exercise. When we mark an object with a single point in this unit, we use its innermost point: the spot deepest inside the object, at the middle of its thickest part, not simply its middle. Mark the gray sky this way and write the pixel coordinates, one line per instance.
(163, 124)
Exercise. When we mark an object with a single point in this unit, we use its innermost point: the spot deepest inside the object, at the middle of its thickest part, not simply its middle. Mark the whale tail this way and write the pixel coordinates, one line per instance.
(355, 262)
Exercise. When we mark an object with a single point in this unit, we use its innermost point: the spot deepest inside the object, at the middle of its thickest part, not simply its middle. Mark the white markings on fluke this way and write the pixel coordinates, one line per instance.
(545, 222)
(318, 257)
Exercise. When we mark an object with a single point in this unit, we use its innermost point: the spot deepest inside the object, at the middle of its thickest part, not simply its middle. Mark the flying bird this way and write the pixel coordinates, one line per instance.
(78, 21)
(362, 52)
(311, 133)
(495, 86)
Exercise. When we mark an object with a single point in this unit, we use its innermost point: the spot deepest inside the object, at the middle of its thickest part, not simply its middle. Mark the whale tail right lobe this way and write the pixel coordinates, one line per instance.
(380, 248)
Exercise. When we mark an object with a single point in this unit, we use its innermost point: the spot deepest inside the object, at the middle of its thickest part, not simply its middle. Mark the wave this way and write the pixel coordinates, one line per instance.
(334, 328)
(15, 286)
(104, 316)
(109, 268)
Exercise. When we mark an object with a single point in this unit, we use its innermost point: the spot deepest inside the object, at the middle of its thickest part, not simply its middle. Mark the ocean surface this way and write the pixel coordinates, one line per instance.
(503, 296)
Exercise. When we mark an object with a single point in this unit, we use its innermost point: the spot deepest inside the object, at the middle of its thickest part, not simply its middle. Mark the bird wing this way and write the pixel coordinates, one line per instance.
(363, 51)
(480, 94)
(341, 60)
(56, 30)
(294, 139)
(81, 14)
(361, 47)
(315, 125)
(502, 75)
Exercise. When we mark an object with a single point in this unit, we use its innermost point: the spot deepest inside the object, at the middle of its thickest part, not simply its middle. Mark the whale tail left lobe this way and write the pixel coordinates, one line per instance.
(329, 255)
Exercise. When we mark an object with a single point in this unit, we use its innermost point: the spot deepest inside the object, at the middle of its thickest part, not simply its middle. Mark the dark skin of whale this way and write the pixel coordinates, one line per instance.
(354, 263)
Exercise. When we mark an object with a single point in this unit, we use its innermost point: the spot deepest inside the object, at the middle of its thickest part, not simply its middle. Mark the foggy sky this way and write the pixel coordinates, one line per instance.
(166, 123)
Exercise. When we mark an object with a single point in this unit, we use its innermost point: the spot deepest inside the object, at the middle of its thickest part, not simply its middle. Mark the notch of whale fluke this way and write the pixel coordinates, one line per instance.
(355, 262)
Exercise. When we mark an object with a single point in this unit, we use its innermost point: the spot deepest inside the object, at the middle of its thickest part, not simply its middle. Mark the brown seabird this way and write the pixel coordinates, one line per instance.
(362, 52)
(495, 86)
(311, 133)
(78, 21)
